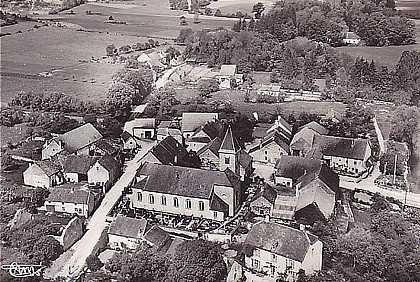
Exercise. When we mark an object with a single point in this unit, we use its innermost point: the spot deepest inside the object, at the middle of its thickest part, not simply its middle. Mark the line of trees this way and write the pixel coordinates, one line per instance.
(375, 21)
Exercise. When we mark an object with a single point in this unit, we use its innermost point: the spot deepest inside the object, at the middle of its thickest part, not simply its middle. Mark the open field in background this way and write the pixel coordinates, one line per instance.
(233, 6)
(64, 51)
(25, 55)
(384, 56)
(407, 4)
(152, 20)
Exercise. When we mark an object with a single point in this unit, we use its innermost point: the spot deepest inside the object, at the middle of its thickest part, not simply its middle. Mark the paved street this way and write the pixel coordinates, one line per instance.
(368, 184)
(75, 257)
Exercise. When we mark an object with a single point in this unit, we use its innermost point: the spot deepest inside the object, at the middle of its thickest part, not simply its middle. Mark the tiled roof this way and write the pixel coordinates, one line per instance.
(157, 236)
(229, 142)
(183, 181)
(260, 131)
(273, 136)
(200, 139)
(352, 35)
(79, 164)
(125, 136)
(48, 166)
(214, 129)
(282, 124)
(229, 70)
(279, 239)
(324, 173)
(192, 121)
(315, 126)
(129, 227)
(169, 151)
(340, 147)
(305, 134)
(268, 193)
(213, 146)
(109, 163)
(317, 192)
(244, 159)
(218, 204)
(67, 195)
(270, 87)
(294, 167)
(107, 147)
(79, 137)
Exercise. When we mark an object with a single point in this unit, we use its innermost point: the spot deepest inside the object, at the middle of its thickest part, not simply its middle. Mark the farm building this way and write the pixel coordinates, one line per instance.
(43, 173)
(228, 77)
(79, 141)
(142, 128)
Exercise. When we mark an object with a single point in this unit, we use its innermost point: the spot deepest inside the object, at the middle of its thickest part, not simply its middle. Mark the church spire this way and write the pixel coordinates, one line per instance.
(229, 143)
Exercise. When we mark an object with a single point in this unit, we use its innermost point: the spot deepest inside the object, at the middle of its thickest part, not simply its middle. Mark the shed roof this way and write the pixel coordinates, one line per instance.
(79, 138)
(79, 164)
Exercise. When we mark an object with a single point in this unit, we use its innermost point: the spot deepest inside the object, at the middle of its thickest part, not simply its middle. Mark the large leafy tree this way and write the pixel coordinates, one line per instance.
(197, 260)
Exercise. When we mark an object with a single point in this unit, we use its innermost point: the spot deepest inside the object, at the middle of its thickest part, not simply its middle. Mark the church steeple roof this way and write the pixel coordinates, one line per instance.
(229, 142)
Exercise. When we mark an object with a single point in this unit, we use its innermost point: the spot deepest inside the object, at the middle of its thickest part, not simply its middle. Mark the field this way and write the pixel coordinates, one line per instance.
(233, 6)
(13, 134)
(64, 53)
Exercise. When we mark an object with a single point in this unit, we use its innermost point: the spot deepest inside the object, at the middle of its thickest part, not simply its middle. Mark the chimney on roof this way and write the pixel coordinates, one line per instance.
(177, 175)
(72, 189)
(352, 143)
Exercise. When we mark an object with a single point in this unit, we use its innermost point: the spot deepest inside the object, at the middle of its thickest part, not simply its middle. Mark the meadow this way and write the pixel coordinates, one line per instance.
(65, 52)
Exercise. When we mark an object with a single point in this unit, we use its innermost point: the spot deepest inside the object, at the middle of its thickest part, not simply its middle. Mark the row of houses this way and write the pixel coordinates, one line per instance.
(77, 167)
(348, 156)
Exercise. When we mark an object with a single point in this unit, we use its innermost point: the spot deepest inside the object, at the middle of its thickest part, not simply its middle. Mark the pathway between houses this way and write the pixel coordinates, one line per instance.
(74, 259)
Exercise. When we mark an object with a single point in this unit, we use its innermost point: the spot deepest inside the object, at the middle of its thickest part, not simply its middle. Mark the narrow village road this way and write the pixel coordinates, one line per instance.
(410, 199)
(74, 259)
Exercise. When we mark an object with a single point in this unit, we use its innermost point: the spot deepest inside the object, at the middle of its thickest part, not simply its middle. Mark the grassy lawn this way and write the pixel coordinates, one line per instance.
(236, 98)
(13, 134)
